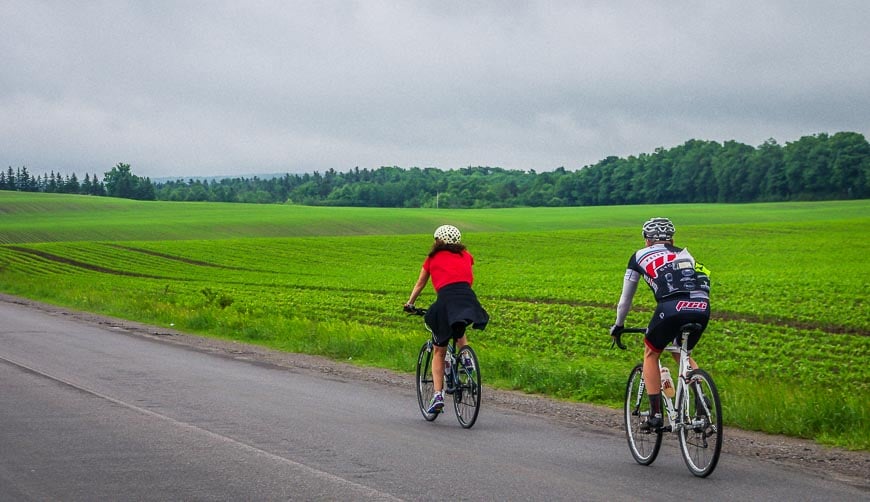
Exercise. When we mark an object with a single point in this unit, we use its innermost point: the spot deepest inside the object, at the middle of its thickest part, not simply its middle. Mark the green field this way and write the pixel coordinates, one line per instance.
(788, 344)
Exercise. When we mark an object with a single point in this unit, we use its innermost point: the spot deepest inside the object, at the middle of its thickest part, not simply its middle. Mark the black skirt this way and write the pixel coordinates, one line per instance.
(456, 304)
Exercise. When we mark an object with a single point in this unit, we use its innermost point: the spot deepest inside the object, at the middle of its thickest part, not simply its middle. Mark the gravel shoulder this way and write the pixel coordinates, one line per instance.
(851, 467)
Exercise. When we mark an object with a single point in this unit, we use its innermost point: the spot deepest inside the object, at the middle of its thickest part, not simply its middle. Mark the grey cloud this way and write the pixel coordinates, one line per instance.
(199, 88)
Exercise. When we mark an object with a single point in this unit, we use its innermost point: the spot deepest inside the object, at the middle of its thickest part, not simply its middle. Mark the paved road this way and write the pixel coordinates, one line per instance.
(91, 412)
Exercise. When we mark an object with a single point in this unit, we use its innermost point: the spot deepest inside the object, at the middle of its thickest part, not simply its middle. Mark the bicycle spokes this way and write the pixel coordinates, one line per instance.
(466, 397)
(701, 437)
(424, 381)
(643, 443)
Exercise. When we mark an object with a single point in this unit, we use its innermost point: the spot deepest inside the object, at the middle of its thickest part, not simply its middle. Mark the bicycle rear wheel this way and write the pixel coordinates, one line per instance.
(425, 384)
(466, 397)
(701, 437)
(644, 446)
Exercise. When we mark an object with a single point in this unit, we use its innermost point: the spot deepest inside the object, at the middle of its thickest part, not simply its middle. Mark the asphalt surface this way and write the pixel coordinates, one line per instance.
(97, 412)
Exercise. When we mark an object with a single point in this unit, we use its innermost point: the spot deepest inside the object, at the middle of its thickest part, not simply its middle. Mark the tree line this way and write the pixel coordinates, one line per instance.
(817, 167)
(21, 180)
(118, 182)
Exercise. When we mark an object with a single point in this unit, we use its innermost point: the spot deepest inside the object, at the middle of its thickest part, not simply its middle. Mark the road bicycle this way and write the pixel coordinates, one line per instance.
(461, 378)
(694, 413)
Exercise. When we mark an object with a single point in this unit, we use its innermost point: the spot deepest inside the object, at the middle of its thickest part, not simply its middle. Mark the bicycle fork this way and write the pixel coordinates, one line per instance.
(700, 423)
(677, 411)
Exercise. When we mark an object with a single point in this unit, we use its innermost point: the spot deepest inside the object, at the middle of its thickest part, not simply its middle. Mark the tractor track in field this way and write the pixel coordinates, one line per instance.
(187, 261)
(84, 265)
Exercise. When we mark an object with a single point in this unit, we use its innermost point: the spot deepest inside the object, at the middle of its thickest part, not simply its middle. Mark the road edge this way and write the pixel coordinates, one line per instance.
(837, 464)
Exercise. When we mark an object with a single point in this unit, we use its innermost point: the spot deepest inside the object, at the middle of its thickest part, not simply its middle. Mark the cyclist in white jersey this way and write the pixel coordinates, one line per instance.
(681, 287)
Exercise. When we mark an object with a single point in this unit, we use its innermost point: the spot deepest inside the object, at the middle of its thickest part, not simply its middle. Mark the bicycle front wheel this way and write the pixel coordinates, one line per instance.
(701, 434)
(425, 383)
(644, 445)
(466, 397)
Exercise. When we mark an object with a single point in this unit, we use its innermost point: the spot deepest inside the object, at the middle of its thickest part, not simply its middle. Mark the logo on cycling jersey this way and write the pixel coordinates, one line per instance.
(686, 305)
(652, 262)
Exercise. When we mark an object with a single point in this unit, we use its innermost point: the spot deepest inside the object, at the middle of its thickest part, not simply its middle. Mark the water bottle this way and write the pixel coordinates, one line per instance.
(667, 383)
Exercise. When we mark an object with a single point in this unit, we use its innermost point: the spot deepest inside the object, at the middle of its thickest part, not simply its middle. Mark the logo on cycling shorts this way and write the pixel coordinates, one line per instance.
(684, 305)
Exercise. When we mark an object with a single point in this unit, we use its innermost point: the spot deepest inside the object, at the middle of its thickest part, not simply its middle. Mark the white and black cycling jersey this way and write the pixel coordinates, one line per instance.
(670, 272)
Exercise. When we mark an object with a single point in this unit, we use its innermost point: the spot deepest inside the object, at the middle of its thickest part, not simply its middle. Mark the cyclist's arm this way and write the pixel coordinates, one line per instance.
(629, 287)
(418, 287)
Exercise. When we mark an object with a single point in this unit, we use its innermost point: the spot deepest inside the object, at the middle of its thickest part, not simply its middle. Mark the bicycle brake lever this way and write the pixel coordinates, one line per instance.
(617, 341)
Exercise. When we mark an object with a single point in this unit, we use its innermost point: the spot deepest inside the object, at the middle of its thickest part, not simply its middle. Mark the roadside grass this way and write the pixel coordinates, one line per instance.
(829, 415)
(787, 347)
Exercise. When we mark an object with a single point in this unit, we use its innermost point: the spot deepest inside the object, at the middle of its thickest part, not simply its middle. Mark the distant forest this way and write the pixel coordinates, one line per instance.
(818, 167)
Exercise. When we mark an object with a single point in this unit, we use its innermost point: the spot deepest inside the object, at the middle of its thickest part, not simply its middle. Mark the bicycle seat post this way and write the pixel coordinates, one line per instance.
(684, 352)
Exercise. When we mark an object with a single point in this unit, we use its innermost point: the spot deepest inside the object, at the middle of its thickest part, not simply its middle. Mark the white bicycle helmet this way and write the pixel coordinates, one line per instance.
(448, 234)
(659, 229)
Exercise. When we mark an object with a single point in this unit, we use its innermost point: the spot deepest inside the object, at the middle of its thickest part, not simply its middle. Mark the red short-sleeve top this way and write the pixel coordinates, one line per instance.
(446, 267)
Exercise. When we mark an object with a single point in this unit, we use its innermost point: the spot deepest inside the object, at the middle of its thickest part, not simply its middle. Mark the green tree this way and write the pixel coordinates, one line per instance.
(731, 170)
(86, 186)
(23, 181)
(121, 182)
(807, 167)
(768, 161)
(850, 167)
(71, 184)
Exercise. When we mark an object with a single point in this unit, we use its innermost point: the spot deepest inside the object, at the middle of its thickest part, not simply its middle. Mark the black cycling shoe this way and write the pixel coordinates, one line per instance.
(652, 424)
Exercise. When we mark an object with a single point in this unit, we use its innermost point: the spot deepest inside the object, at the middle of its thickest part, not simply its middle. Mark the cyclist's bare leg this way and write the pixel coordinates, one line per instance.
(651, 374)
(438, 367)
(461, 342)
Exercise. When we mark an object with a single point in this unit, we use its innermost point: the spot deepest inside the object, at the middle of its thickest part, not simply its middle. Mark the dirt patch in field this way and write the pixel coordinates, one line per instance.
(852, 467)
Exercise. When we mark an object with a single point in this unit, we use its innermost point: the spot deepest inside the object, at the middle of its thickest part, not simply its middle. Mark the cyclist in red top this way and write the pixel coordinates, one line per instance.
(449, 266)
(681, 287)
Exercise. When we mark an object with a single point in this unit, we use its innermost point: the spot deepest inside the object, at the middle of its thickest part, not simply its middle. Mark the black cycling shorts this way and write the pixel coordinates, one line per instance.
(670, 315)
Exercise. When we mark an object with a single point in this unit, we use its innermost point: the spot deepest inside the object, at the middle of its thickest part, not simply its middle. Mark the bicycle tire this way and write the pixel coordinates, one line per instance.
(466, 397)
(424, 381)
(644, 446)
(701, 436)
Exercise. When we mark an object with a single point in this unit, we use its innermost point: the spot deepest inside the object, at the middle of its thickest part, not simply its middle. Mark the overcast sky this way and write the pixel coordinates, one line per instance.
(184, 88)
